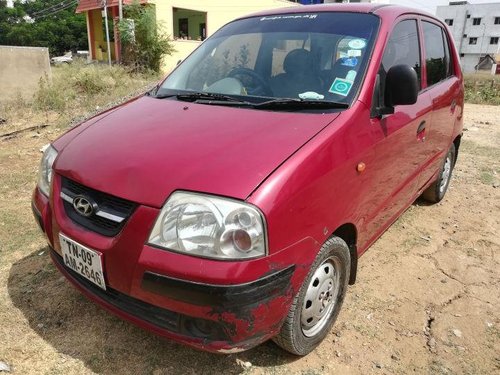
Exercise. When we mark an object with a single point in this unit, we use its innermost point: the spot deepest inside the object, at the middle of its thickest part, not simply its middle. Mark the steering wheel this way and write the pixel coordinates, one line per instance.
(253, 82)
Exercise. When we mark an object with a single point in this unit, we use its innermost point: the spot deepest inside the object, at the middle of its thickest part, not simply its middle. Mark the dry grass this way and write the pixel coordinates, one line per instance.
(75, 91)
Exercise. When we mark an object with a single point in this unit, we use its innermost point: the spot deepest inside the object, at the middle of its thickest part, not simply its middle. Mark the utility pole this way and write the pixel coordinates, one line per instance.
(119, 41)
(105, 4)
(120, 9)
(481, 47)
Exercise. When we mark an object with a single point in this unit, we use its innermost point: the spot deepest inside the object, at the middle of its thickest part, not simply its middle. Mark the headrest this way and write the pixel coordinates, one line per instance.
(298, 61)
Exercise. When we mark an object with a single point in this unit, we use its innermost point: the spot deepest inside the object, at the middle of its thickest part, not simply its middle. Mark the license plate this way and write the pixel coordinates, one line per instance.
(82, 260)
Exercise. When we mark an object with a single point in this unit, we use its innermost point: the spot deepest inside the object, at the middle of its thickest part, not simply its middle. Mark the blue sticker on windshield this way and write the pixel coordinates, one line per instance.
(341, 87)
(348, 61)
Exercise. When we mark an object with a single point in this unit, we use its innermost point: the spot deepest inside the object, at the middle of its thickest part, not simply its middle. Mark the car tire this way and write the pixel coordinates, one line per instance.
(317, 305)
(438, 188)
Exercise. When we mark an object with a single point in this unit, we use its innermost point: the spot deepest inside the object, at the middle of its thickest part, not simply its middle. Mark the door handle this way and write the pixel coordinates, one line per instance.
(421, 127)
(421, 131)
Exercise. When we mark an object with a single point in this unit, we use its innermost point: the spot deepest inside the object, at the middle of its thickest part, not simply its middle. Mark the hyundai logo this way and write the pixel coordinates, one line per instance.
(84, 206)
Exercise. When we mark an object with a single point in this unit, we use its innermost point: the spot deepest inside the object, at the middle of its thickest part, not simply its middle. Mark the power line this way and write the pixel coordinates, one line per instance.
(55, 11)
(52, 8)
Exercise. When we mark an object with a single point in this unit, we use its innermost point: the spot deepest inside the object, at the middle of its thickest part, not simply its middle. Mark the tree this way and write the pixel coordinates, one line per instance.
(43, 23)
(144, 42)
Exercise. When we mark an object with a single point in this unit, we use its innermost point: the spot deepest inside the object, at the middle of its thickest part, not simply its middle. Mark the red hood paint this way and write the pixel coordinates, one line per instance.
(148, 148)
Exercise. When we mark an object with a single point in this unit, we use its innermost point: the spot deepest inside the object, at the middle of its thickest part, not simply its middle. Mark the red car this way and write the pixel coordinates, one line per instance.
(231, 204)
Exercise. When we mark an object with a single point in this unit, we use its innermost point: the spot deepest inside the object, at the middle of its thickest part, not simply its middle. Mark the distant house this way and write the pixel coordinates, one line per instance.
(188, 22)
(476, 30)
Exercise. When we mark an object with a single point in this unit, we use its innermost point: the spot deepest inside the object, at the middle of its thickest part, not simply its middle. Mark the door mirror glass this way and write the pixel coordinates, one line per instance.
(401, 86)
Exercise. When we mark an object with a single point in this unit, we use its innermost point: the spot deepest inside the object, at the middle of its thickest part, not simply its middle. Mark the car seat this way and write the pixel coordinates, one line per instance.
(300, 75)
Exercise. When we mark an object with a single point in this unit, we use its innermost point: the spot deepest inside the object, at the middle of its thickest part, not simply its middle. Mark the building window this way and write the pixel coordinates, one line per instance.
(189, 24)
(472, 40)
(494, 40)
(449, 21)
(476, 21)
(462, 54)
(497, 20)
(465, 35)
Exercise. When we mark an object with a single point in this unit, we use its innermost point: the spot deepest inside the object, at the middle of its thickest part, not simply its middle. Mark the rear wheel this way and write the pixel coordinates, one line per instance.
(437, 190)
(316, 306)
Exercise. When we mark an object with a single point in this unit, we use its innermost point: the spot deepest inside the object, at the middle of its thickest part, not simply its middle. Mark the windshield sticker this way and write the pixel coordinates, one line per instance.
(289, 16)
(357, 44)
(354, 53)
(311, 95)
(351, 75)
(341, 87)
(349, 61)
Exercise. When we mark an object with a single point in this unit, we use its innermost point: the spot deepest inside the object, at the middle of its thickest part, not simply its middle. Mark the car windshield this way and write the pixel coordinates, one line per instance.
(289, 58)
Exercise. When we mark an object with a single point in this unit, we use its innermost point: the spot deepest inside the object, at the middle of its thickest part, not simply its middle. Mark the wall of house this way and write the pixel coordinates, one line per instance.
(463, 29)
(219, 12)
(20, 71)
(96, 22)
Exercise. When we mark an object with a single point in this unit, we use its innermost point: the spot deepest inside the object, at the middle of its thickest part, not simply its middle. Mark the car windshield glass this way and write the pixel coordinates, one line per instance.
(307, 56)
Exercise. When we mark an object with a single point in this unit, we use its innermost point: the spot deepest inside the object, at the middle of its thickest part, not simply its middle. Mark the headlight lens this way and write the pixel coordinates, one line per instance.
(45, 172)
(210, 227)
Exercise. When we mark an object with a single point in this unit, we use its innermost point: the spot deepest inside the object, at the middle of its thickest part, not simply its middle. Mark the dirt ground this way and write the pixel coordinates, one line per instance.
(427, 299)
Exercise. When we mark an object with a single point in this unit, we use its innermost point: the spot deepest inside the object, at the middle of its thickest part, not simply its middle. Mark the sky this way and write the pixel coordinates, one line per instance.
(430, 5)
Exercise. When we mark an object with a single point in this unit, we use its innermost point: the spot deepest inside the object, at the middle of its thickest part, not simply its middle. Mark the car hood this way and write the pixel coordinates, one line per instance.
(148, 148)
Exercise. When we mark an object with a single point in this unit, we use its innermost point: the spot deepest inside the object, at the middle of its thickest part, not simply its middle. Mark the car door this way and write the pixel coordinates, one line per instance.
(399, 153)
(443, 87)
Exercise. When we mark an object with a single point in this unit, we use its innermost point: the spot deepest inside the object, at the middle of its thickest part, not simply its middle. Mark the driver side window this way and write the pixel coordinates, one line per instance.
(403, 47)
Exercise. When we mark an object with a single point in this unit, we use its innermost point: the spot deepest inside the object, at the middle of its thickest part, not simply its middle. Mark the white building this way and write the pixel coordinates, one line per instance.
(476, 30)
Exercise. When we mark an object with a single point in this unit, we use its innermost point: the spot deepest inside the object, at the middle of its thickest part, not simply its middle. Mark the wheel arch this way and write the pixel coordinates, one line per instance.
(349, 234)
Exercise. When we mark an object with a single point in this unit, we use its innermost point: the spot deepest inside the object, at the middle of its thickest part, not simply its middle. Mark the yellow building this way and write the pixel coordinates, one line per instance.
(188, 22)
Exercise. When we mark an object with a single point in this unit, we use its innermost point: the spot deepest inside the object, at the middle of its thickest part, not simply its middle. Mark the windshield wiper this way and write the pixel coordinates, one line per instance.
(202, 97)
(279, 103)
(299, 104)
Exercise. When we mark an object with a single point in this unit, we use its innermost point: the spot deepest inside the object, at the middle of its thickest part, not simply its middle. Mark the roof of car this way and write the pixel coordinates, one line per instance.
(379, 9)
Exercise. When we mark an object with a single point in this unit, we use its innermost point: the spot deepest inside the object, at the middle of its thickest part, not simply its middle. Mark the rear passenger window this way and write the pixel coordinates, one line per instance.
(402, 48)
(437, 54)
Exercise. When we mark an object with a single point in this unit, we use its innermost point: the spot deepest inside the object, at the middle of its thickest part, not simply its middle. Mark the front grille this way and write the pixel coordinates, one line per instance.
(114, 205)
(160, 317)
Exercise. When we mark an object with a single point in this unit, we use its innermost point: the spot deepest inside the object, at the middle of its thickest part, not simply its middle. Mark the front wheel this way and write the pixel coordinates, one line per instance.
(438, 188)
(316, 306)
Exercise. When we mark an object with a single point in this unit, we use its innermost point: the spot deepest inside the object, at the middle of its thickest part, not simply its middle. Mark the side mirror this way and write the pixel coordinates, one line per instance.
(401, 86)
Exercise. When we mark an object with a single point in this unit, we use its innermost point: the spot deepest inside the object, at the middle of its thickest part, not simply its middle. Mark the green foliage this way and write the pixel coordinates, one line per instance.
(144, 41)
(482, 89)
(60, 32)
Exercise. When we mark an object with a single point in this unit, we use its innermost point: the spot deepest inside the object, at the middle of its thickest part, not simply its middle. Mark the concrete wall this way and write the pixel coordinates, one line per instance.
(97, 36)
(463, 29)
(20, 71)
(218, 13)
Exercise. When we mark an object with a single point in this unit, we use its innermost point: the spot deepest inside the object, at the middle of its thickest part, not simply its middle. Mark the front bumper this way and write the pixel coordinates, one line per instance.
(212, 305)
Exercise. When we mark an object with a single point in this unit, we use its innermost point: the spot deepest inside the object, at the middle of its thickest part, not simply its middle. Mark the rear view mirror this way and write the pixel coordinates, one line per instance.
(401, 86)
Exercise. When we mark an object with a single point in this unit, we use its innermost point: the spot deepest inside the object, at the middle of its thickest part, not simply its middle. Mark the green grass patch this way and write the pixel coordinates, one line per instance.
(482, 89)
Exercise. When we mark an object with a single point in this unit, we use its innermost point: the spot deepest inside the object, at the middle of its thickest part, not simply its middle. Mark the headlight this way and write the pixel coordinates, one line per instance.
(45, 173)
(210, 227)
